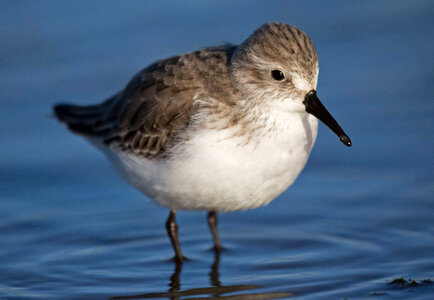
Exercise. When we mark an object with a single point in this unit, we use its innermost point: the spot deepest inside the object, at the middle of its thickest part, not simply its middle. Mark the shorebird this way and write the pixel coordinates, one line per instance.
(220, 129)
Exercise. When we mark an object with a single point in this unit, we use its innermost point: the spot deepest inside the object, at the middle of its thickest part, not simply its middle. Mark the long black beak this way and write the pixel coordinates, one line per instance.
(315, 107)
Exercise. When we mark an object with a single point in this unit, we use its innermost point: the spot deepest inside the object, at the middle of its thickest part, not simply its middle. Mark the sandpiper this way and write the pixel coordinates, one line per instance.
(220, 129)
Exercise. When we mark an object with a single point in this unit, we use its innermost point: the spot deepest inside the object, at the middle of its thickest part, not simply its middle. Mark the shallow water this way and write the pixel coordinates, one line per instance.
(354, 220)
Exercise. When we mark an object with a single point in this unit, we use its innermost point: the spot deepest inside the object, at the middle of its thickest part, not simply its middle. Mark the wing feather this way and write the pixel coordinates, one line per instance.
(155, 105)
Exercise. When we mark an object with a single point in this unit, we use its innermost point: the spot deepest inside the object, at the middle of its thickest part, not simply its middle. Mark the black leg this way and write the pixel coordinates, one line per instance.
(212, 222)
(172, 231)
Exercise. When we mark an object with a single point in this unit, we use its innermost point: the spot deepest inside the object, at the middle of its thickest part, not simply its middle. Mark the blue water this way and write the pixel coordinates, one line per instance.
(355, 219)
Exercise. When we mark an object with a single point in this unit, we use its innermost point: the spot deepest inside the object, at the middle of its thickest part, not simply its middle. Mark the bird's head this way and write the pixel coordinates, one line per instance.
(276, 68)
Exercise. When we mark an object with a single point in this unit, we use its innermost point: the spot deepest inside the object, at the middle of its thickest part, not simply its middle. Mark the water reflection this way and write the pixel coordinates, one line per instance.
(214, 274)
(215, 291)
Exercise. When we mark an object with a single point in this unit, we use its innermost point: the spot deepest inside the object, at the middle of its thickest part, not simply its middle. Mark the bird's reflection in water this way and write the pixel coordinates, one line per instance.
(214, 274)
(215, 291)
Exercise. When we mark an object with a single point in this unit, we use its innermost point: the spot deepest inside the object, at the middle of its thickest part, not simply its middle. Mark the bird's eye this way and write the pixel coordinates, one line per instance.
(277, 75)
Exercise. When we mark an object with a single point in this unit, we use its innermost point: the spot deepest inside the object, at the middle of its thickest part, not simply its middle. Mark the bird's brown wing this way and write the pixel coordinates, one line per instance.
(153, 108)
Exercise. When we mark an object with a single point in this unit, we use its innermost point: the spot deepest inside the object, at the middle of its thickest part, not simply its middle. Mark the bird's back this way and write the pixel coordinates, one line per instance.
(156, 104)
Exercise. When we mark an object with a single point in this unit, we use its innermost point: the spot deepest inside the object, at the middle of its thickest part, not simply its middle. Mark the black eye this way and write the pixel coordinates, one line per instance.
(277, 75)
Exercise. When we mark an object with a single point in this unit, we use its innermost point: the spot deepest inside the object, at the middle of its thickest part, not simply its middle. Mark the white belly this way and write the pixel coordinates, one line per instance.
(216, 171)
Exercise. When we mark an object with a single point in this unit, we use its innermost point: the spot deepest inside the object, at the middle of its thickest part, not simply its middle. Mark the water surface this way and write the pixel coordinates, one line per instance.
(355, 219)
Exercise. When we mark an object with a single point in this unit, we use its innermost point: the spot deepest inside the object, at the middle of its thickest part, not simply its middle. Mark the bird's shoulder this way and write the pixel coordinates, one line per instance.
(159, 101)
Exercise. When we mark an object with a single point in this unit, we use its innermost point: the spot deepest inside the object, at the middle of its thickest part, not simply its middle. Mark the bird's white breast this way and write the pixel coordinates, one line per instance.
(216, 169)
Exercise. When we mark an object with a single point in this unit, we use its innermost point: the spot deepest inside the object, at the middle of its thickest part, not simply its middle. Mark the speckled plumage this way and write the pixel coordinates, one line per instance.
(159, 101)
(156, 104)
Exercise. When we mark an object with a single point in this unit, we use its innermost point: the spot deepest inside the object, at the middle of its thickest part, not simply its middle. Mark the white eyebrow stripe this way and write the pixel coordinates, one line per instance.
(300, 83)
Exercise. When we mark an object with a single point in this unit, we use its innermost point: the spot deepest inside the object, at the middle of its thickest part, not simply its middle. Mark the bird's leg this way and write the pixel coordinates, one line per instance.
(172, 231)
(212, 222)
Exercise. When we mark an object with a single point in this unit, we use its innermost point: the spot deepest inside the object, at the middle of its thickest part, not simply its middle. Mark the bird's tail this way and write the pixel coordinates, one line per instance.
(82, 119)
